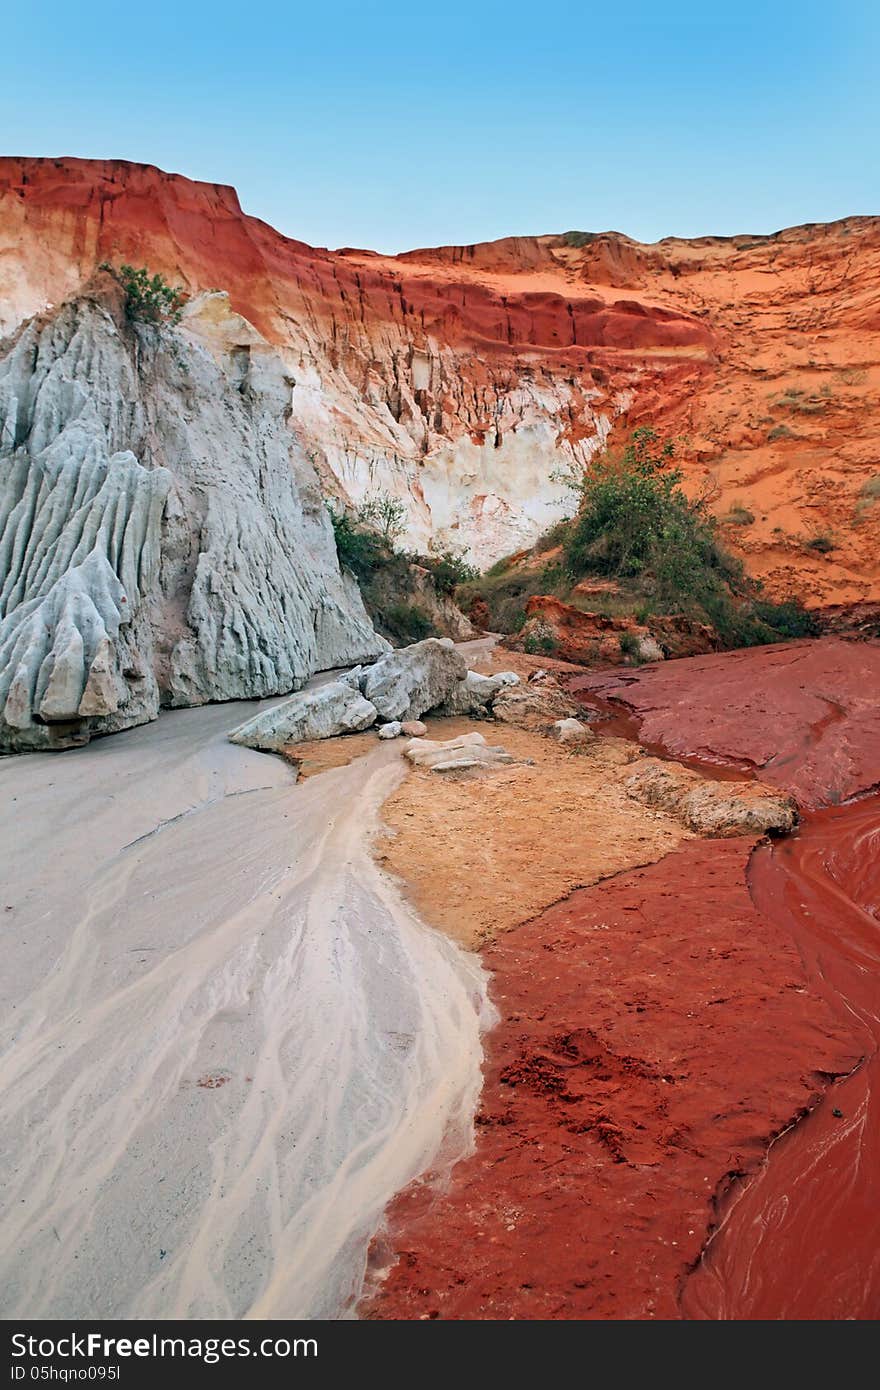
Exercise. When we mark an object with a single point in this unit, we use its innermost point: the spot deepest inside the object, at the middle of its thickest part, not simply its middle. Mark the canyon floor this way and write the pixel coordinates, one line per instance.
(249, 1015)
(678, 1115)
(229, 1042)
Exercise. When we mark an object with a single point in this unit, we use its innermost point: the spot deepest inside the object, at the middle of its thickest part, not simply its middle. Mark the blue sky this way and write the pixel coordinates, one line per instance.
(399, 125)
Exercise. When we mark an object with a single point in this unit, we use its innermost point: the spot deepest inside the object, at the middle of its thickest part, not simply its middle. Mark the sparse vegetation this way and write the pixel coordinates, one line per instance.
(507, 591)
(553, 537)
(448, 570)
(657, 548)
(408, 622)
(386, 514)
(148, 298)
(387, 578)
(869, 495)
(629, 645)
(739, 516)
(578, 239)
(789, 619)
(541, 641)
(359, 549)
(780, 432)
(822, 541)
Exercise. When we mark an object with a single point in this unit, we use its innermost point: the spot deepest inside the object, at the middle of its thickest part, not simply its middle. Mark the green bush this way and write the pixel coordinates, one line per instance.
(148, 298)
(823, 542)
(359, 550)
(447, 570)
(739, 515)
(635, 521)
(553, 537)
(385, 514)
(787, 619)
(541, 641)
(408, 622)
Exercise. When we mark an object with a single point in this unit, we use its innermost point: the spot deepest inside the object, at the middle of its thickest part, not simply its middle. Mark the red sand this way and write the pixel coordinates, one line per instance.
(801, 1241)
(659, 1030)
(623, 1087)
(803, 715)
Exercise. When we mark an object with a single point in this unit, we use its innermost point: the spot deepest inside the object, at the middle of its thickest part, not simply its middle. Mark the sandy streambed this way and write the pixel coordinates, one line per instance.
(227, 1041)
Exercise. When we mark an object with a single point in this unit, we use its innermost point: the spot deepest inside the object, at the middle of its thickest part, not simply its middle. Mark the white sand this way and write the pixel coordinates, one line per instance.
(182, 912)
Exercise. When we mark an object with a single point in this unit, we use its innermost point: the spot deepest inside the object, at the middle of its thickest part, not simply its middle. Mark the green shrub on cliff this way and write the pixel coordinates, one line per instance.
(448, 570)
(636, 527)
(148, 298)
(634, 520)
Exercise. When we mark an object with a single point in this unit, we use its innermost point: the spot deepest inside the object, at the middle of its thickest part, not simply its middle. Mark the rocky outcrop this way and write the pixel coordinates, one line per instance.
(405, 684)
(459, 390)
(709, 807)
(749, 709)
(583, 638)
(536, 705)
(474, 695)
(462, 754)
(466, 380)
(331, 709)
(571, 732)
(162, 537)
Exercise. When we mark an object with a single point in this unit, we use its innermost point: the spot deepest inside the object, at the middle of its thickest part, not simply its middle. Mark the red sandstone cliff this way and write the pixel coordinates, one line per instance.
(460, 378)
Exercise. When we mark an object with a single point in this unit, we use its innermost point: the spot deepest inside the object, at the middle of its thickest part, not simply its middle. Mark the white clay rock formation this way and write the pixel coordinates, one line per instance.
(476, 692)
(331, 709)
(460, 754)
(406, 684)
(163, 540)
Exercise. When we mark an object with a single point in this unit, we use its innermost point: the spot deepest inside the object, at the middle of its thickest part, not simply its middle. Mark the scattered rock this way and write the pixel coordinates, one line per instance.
(649, 649)
(540, 702)
(329, 710)
(355, 677)
(406, 683)
(413, 728)
(712, 808)
(474, 695)
(456, 754)
(392, 730)
(572, 731)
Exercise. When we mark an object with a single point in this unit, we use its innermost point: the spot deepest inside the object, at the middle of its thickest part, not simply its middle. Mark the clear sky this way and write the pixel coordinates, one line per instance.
(403, 125)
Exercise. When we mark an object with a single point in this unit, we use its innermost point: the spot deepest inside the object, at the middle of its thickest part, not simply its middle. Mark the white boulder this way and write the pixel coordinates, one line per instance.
(406, 683)
(571, 731)
(329, 710)
(392, 730)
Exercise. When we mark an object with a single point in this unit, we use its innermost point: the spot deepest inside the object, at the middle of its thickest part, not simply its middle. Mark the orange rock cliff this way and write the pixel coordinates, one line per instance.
(465, 379)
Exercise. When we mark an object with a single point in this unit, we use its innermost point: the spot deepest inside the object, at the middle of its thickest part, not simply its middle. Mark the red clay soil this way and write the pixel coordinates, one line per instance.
(800, 1240)
(672, 1031)
(803, 715)
(656, 1031)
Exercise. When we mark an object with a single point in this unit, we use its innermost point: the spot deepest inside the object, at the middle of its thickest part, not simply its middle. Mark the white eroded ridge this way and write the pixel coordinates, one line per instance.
(231, 1041)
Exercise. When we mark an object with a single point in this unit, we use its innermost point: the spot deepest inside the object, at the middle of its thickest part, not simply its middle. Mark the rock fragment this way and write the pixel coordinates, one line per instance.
(331, 709)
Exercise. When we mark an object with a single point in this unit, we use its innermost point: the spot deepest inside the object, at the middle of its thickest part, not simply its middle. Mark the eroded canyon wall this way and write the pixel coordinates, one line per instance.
(163, 538)
(463, 380)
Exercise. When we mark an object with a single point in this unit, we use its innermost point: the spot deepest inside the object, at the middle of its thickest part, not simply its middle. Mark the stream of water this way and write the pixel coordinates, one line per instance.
(227, 1040)
(799, 1240)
